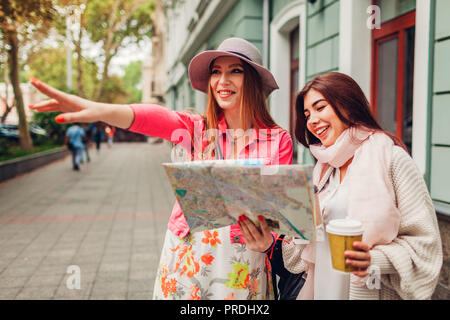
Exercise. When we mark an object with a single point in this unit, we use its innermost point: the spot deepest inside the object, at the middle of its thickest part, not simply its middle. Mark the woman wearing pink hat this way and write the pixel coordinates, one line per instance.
(214, 264)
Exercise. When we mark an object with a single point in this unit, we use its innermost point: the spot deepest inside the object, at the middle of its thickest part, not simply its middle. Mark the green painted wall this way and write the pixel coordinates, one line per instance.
(322, 40)
(440, 109)
(322, 47)
(277, 6)
(440, 174)
(244, 21)
(391, 9)
(442, 19)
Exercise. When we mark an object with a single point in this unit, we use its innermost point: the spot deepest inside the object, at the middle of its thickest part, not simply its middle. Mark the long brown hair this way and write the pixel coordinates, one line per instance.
(254, 112)
(348, 101)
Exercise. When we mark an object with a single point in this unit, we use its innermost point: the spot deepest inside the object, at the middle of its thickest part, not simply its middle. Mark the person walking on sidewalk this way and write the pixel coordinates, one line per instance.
(97, 131)
(74, 141)
(86, 140)
(214, 264)
(110, 134)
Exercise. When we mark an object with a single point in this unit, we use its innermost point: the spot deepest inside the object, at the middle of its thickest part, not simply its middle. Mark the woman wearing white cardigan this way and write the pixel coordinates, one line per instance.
(366, 174)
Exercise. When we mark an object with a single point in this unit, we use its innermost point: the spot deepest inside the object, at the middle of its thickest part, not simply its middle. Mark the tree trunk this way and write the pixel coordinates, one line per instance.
(8, 107)
(24, 131)
(107, 47)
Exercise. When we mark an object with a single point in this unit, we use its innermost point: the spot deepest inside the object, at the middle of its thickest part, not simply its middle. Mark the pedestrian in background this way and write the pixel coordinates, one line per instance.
(110, 134)
(214, 264)
(87, 138)
(97, 132)
(74, 141)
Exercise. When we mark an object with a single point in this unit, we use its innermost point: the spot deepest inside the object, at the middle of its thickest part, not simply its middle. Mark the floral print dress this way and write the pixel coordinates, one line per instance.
(209, 265)
(212, 264)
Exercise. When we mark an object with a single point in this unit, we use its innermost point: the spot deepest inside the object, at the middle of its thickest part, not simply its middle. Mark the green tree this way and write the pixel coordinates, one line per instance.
(114, 91)
(132, 80)
(115, 23)
(4, 96)
(56, 131)
(19, 19)
(73, 11)
(50, 67)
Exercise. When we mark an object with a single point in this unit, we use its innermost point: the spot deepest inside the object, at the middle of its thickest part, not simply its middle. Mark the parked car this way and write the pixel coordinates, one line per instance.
(12, 130)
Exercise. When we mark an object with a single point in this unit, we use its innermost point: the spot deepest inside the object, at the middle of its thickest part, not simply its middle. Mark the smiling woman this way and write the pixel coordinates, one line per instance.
(340, 93)
(226, 84)
(321, 118)
(226, 93)
(364, 173)
(215, 264)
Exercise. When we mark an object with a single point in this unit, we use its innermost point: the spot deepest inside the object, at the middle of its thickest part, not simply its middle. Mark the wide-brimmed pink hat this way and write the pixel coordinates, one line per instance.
(199, 67)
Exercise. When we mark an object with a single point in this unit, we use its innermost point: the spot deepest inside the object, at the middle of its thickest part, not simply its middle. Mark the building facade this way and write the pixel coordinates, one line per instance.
(154, 68)
(397, 50)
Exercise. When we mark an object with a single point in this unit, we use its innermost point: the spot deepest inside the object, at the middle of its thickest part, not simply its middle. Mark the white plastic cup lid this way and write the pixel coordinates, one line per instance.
(345, 227)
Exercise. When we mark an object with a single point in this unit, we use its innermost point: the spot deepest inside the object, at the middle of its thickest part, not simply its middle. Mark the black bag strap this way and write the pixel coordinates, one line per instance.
(290, 284)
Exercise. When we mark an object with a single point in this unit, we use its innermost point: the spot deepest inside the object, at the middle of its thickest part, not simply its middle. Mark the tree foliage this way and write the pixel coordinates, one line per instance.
(115, 23)
(132, 81)
(25, 16)
(51, 67)
(112, 24)
(19, 20)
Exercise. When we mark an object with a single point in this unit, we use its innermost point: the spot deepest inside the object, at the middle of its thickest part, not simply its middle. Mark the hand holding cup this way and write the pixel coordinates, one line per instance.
(359, 259)
(348, 252)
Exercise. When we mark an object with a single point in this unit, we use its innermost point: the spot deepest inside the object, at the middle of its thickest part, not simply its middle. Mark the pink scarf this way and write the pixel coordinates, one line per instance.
(371, 193)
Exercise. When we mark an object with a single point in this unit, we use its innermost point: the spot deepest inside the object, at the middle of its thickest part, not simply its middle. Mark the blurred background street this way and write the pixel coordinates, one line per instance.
(109, 219)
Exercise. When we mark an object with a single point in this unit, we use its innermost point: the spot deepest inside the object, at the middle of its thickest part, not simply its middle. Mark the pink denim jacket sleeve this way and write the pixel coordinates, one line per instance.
(157, 121)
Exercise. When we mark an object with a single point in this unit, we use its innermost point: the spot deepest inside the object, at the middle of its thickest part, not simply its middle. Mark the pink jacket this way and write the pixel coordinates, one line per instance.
(154, 120)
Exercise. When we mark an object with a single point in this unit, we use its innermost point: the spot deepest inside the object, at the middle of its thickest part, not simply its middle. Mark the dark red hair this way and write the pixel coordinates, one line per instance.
(348, 101)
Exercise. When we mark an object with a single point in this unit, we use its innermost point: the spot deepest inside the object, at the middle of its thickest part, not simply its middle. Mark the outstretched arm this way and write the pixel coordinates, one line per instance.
(76, 109)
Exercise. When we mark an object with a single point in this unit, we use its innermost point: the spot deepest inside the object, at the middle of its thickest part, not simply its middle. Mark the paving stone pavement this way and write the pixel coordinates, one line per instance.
(109, 220)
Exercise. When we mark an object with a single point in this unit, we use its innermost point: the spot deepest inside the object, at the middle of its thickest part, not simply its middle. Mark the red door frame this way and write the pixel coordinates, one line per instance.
(390, 30)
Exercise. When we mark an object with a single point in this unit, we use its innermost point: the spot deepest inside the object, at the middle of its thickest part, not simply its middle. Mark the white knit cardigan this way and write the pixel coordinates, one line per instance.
(411, 263)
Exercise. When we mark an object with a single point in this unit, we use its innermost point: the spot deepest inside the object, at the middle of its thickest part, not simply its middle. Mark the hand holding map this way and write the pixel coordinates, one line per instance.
(213, 194)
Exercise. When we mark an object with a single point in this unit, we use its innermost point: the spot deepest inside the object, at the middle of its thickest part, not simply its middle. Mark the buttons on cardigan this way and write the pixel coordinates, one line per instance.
(236, 239)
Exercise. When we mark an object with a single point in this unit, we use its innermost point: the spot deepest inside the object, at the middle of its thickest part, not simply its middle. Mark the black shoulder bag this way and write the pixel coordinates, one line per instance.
(289, 284)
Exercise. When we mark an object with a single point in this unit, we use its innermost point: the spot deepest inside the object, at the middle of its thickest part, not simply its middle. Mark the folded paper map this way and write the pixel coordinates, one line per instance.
(214, 193)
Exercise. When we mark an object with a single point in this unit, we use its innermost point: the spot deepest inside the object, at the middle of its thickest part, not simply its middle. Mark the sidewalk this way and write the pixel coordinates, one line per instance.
(109, 219)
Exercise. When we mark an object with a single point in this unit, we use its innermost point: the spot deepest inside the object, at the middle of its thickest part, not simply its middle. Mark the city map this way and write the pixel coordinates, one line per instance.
(214, 193)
